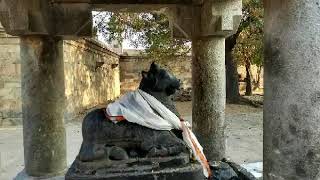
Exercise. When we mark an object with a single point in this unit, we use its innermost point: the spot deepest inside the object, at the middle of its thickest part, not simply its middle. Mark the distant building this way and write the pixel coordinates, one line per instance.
(132, 52)
(115, 46)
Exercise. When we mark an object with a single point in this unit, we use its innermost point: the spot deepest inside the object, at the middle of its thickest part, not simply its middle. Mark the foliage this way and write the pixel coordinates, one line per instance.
(152, 31)
(249, 45)
(148, 30)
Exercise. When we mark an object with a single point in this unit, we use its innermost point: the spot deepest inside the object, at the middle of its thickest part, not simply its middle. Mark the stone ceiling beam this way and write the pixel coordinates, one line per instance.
(131, 8)
(38, 17)
(132, 5)
(124, 2)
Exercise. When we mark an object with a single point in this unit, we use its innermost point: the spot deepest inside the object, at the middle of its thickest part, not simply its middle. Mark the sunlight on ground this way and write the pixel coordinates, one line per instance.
(244, 140)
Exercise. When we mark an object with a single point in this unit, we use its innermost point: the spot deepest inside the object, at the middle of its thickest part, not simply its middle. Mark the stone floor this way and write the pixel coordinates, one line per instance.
(244, 139)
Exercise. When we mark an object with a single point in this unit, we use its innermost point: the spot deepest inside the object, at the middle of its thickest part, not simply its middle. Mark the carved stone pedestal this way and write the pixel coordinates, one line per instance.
(168, 168)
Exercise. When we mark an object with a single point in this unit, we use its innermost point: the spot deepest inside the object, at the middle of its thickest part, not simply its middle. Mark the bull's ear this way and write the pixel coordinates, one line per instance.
(154, 67)
(144, 74)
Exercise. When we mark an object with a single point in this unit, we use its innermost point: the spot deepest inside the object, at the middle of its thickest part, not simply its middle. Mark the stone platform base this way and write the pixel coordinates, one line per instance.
(188, 172)
(24, 176)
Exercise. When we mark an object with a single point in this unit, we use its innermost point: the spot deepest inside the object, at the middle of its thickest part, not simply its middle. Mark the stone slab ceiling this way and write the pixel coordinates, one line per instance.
(185, 2)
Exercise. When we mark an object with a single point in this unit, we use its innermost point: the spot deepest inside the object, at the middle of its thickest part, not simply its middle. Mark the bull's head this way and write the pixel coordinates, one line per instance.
(159, 80)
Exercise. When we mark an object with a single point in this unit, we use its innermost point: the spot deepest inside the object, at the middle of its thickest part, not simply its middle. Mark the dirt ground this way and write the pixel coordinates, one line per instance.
(244, 138)
(244, 131)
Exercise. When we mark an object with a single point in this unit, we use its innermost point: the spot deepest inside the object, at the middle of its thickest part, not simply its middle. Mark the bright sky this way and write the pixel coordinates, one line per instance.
(96, 18)
(99, 16)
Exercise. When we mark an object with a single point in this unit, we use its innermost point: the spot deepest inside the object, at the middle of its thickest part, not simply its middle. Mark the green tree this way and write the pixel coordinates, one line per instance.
(248, 49)
(152, 31)
(237, 46)
(148, 30)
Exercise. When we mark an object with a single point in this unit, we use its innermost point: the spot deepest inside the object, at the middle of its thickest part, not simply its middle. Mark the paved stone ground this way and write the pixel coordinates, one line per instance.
(244, 142)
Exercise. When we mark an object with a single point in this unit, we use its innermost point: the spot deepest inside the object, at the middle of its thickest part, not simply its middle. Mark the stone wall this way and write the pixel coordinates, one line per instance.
(10, 80)
(131, 67)
(91, 77)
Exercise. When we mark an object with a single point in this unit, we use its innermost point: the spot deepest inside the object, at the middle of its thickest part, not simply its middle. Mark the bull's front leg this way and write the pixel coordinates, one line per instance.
(162, 144)
(91, 152)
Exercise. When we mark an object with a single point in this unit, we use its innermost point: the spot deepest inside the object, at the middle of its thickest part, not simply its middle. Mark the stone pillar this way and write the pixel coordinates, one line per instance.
(208, 73)
(292, 90)
(42, 105)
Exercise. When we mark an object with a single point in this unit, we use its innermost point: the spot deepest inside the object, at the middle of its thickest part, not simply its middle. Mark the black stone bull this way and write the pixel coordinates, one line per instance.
(108, 146)
(105, 139)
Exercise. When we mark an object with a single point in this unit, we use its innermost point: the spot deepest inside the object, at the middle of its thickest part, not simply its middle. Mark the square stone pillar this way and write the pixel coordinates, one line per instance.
(43, 105)
(291, 142)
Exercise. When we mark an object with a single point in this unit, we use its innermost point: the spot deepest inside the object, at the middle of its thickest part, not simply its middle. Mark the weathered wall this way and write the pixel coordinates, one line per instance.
(131, 67)
(10, 80)
(91, 77)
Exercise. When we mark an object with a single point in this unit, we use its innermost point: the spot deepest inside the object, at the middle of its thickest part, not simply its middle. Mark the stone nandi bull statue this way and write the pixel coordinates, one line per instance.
(128, 151)
(104, 139)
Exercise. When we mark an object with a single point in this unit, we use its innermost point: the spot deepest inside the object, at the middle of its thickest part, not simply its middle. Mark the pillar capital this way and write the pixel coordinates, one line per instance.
(38, 17)
(220, 18)
(211, 18)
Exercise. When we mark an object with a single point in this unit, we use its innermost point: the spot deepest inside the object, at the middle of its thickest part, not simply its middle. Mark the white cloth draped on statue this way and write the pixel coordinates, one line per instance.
(140, 107)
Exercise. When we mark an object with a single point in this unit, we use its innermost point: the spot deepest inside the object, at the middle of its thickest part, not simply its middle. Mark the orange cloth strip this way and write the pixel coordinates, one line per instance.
(198, 151)
(117, 118)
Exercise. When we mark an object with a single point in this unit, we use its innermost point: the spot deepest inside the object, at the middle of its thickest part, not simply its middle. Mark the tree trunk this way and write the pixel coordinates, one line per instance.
(248, 79)
(258, 78)
(232, 79)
